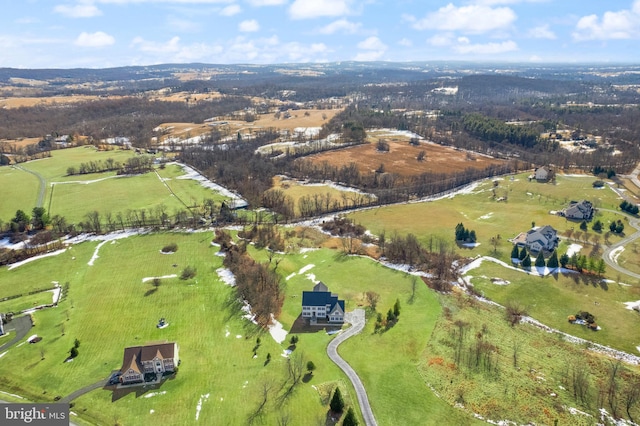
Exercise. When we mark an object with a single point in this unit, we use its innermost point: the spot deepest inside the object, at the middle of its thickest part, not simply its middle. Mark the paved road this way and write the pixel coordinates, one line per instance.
(43, 184)
(607, 255)
(357, 320)
(97, 385)
(19, 326)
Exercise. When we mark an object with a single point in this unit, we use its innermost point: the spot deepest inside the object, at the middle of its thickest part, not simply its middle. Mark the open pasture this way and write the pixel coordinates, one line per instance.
(18, 190)
(401, 158)
(75, 196)
(478, 209)
(18, 102)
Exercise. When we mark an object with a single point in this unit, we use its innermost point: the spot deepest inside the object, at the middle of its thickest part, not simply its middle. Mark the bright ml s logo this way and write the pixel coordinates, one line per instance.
(34, 414)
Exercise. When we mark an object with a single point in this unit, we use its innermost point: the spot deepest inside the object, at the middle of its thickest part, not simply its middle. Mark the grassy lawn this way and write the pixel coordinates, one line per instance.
(387, 363)
(75, 196)
(19, 190)
(553, 298)
(26, 302)
(527, 202)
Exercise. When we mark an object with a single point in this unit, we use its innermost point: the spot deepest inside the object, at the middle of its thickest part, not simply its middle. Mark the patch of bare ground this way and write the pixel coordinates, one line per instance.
(402, 159)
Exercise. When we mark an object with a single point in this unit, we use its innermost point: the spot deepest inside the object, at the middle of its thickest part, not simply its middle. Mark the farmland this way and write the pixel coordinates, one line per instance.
(74, 196)
(401, 158)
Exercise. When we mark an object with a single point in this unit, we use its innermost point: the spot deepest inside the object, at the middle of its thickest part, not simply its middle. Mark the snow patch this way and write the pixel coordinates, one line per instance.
(276, 330)
(306, 268)
(11, 394)
(634, 306)
(291, 275)
(202, 399)
(573, 249)
(312, 278)
(486, 216)
(31, 259)
(226, 276)
(190, 173)
(152, 394)
(615, 253)
(146, 279)
(3, 354)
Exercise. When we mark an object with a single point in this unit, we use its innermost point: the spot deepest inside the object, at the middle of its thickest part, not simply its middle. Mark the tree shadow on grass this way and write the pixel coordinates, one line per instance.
(150, 291)
(341, 256)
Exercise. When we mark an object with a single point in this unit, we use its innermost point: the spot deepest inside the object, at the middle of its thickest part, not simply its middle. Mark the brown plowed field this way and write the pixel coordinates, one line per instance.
(401, 158)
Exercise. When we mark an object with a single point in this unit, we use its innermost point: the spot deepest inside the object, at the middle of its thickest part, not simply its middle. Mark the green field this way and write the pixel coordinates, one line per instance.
(527, 203)
(74, 196)
(17, 190)
(204, 319)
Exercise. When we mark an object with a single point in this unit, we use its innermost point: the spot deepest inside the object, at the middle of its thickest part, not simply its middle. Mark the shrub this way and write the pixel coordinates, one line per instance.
(170, 248)
(188, 273)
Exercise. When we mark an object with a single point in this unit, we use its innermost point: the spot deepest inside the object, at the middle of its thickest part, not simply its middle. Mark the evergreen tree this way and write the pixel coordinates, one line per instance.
(564, 260)
(350, 418)
(515, 253)
(396, 308)
(526, 262)
(583, 225)
(337, 403)
(523, 253)
(597, 226)
(390, 316)
(601, 267)
(619, 227)
(552, 263)
(540, 263)
(472, 236)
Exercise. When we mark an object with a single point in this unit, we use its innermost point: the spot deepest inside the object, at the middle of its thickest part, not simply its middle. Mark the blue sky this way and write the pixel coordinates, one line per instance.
(108, 33)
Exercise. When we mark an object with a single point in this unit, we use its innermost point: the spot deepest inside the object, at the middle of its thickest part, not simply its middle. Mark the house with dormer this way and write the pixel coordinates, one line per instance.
(579, 210)
(148, 363)
(544, 238)
(322, 305)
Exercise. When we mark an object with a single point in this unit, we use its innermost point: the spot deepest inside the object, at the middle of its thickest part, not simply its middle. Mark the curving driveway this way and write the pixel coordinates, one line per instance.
(20, 326)
(357, 320)
(43, 184)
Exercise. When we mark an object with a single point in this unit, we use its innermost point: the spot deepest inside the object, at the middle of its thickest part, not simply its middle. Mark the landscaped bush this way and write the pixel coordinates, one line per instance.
(170, 248)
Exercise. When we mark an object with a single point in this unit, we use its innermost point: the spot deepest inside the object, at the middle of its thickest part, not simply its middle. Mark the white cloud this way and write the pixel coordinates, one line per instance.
(405, 42)
(623, 24)
(97, 39)
(341, 25)
(468, 19)
(373, 48)
(249, 26)
(143, 45)
(232, 9)
(440, 40)
(83, 9)
(164, 1)
(372, 43)
(307, 9)
(496, 2)
(267, 2)
(542, 31)
(465, 47)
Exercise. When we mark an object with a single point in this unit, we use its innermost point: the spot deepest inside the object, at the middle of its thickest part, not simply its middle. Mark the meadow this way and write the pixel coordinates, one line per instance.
(527, 202)
(74, 196)
(19, 191)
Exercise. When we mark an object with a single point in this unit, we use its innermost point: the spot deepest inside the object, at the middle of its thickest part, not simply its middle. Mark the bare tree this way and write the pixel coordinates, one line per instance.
(372, 299)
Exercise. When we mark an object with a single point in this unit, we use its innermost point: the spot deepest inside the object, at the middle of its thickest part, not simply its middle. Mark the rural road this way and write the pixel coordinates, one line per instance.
(357, 320)
(607, 255)
(43, 184)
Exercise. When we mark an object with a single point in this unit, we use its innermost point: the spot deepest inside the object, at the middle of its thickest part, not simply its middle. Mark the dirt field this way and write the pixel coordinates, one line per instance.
(51, 100)
(20, 143)
(298, 119)
(401, 158)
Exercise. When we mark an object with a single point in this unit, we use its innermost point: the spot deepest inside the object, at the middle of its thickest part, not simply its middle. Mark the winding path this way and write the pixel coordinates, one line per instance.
(43, 184)
(609, 251)
(357, 320)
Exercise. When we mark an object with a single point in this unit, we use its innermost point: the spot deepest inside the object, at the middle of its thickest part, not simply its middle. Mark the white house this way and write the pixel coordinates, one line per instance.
(321, 304)
(542, 174)
(544, 238)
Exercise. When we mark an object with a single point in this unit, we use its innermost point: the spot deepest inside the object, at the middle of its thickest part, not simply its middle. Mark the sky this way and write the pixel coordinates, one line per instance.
(111, 33)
